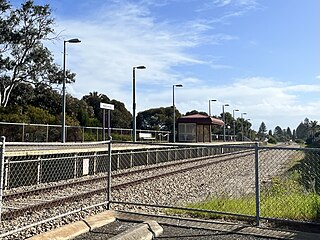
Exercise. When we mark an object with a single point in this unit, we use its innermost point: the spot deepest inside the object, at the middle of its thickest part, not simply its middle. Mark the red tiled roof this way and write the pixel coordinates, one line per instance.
(195, 116)
(201, 119)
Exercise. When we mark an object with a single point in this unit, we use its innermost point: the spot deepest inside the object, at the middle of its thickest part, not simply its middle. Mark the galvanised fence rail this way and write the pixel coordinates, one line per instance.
(253, 182)
(27, 132)
(233, 181)
(42, 182)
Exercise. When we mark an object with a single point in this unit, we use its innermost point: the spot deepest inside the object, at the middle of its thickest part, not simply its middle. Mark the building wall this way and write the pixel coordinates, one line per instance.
(187, 132)
(192, 132)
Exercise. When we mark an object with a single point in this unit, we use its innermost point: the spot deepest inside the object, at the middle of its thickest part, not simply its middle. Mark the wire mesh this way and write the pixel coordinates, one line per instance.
(188, 179)
(284, 185)
(290, 181)
(195, 177)
(45, 180)
(28, 132)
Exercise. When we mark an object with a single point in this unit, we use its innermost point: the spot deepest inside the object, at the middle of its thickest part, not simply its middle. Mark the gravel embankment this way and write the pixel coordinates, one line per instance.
(228, 178)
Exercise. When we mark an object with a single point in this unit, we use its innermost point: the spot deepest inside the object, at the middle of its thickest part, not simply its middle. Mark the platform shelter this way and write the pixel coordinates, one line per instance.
(196, 128)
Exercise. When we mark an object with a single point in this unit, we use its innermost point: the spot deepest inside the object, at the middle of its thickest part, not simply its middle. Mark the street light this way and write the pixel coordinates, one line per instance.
(234, 124)
(73, 40)
(242, 125)
(174, 111)
(247, 129)
(224, 121)
(211, 100)
(134, 133)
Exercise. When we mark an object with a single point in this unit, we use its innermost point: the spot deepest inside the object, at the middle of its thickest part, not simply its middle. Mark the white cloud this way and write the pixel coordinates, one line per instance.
(304, 88)
(221, 3)
(264, 99)
(121, 37)
(110, 49)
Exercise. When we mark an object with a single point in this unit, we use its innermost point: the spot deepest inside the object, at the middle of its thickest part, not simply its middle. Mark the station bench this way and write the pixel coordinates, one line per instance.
(146, 136)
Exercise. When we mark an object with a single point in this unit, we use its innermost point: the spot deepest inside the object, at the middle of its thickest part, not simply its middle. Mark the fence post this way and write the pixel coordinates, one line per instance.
(94, 163)
(131, 159)
(156, 157)
(39, 177)
(97, 134)
(22, 132)
(75, 166)
(257, 183)
(147, 160)
(3, 139)
(109, 175)
(47, 136)
(83, 134)
(118, 160)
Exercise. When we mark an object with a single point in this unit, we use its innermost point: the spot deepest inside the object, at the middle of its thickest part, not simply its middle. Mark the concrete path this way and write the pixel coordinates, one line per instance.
(149, 227)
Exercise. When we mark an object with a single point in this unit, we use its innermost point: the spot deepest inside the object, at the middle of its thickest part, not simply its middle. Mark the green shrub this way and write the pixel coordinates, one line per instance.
(272, 140)
(300, 141)
(121, 137)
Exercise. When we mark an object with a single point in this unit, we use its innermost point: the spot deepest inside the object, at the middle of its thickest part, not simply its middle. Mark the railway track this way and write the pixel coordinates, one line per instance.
(19, 203)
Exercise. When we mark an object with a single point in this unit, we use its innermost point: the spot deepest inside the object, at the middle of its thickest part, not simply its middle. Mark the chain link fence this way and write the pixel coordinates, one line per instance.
(211, 181)
(290, 184)
(203, 178)
(27, 132)
(42, 182)
(247, 182)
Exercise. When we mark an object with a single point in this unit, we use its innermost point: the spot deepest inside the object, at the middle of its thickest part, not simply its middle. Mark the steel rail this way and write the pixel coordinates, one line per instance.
(116, 175)
(58, 201)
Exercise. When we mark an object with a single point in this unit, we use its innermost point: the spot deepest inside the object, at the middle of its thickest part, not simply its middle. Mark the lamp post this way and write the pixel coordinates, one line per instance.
(73, 40)
(247, 129)
(134, 133)
(242, 120)
(224, 121)
(234, 124)
(211, 100)
(174, 111)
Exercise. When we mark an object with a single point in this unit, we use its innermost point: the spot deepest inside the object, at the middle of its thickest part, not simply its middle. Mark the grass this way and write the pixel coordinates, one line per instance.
(297, 206)
(285, 197)
(294, 206)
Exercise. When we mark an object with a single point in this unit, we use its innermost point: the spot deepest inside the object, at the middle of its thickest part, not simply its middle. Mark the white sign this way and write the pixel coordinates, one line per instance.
(107, 106)
(85, 166)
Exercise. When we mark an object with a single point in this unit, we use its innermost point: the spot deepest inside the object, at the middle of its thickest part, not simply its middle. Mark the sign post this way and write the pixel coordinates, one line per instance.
(109, 107)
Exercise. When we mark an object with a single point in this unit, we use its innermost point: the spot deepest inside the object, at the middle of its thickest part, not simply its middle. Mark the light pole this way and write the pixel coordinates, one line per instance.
(242, 120)
(174, 111)
(73, 40)
(134, 133)
(211, 100)
(234, 124)
(247, 129)
(224, 121)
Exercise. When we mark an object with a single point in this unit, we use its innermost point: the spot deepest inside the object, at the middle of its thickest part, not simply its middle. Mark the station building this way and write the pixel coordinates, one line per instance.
(197, 128)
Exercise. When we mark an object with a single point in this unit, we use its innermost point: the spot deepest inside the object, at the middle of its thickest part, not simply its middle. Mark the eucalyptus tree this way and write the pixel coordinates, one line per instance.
(23, 56)
(120, 116)
(157, 118)
(196, 112)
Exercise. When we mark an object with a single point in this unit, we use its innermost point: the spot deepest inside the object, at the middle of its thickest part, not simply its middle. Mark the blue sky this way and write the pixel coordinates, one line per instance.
(259, 56)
